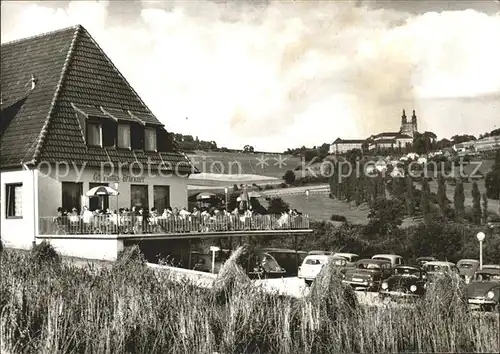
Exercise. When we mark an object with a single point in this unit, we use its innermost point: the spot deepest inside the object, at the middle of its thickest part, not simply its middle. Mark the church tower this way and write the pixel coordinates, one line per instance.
(414, 122)
(407, 127)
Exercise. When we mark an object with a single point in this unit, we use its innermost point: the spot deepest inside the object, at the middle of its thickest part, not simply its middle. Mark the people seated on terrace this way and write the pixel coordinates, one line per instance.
(86, 215)
(184, 214)
(113, 217)
(73, 217)
(284, 219)
(167, 213)
(196, 213)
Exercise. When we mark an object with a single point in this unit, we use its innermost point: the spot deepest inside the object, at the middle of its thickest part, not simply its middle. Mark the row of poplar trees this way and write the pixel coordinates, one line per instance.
(359, 187)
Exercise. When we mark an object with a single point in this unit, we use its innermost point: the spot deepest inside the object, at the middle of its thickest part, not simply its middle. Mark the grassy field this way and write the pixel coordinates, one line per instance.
(131, 309)
(239, 163)
(321, 207)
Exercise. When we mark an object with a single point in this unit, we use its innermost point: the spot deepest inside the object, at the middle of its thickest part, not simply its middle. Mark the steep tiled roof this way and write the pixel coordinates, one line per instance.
(349, 141)
(386, 134)
(403, 136)
(71, 71)
(384, 141)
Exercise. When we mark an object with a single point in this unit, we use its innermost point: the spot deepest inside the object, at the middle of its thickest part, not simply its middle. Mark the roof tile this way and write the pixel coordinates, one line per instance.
(45, 117)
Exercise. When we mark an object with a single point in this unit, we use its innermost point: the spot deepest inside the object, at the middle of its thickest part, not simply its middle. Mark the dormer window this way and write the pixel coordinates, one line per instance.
(94, 134)
(150, 139)
(124, 136)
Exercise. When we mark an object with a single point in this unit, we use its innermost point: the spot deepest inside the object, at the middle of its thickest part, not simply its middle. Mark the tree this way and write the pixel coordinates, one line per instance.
(385, 215)
(441, 194)
(277, 206)
(459, 199)
(359, 196)
(410, 197)
(485, 208)
(425, 198)
(398, 187)
(492, 181)
(438, 237)
(310, 155)
(289, 177)
(423, 143)
(248, 149)
(333, 179)
(457, 139)
(323, 150)
(476, 204)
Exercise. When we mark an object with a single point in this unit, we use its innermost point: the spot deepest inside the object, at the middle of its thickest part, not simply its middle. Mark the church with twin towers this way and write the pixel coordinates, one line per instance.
(382, 141)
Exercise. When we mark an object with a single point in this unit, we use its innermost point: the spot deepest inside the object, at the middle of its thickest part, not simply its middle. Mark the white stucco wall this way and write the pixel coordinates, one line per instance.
(18, 233)
(50, 191)
(99, 247)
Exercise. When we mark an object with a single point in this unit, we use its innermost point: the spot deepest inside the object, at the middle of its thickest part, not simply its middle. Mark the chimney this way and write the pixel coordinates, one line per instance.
(33, 81)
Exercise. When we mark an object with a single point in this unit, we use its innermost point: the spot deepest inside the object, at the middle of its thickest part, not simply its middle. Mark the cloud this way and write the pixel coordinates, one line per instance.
(277, 74)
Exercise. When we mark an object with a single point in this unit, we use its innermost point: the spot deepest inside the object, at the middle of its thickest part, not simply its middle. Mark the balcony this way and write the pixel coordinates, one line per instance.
(133, 225)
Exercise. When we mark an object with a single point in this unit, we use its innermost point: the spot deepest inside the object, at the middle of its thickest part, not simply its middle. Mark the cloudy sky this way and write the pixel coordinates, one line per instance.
(285, 74)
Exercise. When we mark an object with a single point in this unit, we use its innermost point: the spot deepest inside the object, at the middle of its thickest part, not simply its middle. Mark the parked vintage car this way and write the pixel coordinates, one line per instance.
(288, 259)
(435, 269)
(313, 264)
(263, 265)
(491, 266)
(422, 260)
(393, 258)
(483, 292)
(202, 262)
(351, 258)
(318, 252)
(405, 282)
(467, 268)
(367, 274)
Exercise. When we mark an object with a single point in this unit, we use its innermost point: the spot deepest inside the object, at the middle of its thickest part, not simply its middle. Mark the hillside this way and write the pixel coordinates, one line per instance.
(233, 163)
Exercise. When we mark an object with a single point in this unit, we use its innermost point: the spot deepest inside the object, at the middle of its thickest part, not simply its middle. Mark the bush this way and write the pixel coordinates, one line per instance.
(492, 184)
(44, 254)
(339, 218)
(289, 177)
(130, 255)
(277, 206)
(100, 311)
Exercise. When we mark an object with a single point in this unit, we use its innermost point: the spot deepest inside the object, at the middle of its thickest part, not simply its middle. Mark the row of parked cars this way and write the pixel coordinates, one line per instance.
(388, 275)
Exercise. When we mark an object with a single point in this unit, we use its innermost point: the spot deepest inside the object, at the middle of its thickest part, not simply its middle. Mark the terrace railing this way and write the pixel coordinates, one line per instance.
(133, 224)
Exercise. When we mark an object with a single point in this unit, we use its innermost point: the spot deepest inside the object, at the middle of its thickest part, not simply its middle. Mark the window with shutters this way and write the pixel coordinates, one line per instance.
(150, 137)
(14, 203)
(108, 133)
(136, 136)
(124, 136)
(94, 134)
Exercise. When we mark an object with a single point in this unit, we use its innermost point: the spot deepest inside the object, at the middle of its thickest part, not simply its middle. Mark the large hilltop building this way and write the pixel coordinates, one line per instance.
(385, 140)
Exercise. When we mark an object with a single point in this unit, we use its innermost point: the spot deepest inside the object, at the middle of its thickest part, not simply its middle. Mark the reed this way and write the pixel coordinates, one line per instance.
(61, 308)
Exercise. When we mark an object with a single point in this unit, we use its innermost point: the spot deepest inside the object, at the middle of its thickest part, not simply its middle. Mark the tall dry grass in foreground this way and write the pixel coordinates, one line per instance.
(58, 308)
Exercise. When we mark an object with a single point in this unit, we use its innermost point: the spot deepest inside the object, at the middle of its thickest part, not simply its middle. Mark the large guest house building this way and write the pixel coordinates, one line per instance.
(70, 122)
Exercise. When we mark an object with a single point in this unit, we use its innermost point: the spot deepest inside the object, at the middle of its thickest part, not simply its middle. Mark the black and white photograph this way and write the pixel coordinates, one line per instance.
(250, 176)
